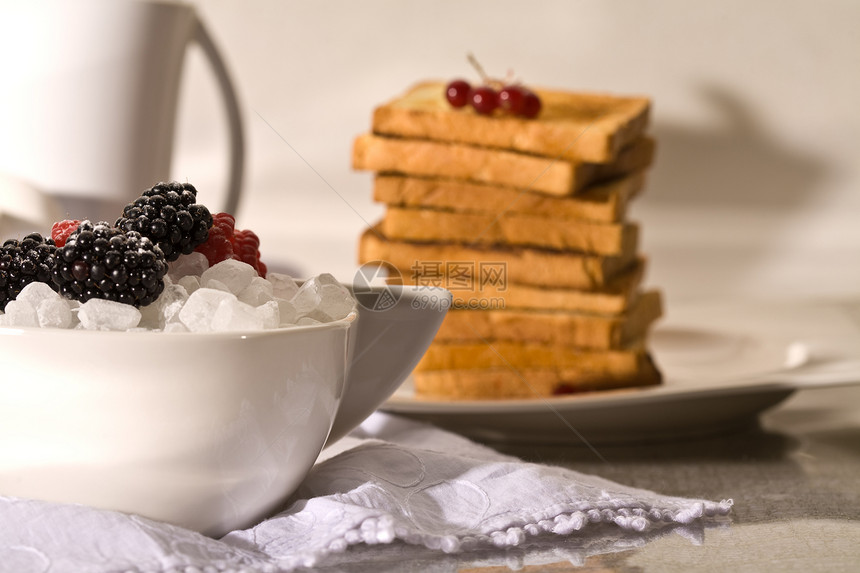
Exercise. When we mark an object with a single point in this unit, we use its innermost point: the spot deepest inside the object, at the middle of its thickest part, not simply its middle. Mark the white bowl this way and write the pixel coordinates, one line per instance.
(211, 432)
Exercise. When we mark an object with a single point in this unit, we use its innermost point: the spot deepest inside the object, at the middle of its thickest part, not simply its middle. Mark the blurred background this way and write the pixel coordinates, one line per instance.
(755, 110)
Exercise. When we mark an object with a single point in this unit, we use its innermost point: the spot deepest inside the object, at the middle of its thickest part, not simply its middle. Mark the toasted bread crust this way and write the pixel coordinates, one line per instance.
(619, 294)
(553, 327)
(509, 229)
(495, 166)
(443, 355)
(506, 383)
(526, 266)
(606, 202)
(573, 126)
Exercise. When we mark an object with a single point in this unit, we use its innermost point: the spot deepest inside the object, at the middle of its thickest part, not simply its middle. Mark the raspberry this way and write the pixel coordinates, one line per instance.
(60, 231)
(101, 261)
(168, 215)
(23, 262)
(246, 248)
(219, 247)
(225, 242)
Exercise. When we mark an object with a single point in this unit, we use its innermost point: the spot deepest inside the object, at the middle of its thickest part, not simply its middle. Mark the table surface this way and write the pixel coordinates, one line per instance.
(793, 478)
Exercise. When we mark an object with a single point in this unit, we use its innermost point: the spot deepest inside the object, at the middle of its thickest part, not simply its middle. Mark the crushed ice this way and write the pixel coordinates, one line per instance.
(228, 296)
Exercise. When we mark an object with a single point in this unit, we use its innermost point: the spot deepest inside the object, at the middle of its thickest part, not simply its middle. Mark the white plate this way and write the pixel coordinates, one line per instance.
(722, 366)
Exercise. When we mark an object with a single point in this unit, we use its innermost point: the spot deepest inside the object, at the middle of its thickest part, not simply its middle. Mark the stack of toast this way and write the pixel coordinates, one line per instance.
(524, 221)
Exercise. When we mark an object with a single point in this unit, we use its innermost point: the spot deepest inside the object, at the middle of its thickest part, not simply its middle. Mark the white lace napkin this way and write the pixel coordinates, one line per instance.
(394, 490)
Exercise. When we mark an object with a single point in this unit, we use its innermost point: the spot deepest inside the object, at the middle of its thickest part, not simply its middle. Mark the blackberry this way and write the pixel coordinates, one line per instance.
(101, 261)
(169, 215)
(23, 262)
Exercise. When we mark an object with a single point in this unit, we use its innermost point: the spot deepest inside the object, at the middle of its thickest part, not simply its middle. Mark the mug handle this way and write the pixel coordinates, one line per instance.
(234, 117)
(387, 342)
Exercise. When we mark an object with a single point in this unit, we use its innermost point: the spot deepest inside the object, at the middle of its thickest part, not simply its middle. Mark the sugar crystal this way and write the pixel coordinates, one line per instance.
(336, 301)
(287, 312)
(326, 279)
(35, 292)
(283, 286)
(200, 307)
(100, 314)
(235, 274)
(20, 313)
(216, 284)
(175, 327)
(192, 264)
(54, 312)
(270, 314)
(233, 315)
(307, 298)
(258, 292)
(166, 307)
(190, 283)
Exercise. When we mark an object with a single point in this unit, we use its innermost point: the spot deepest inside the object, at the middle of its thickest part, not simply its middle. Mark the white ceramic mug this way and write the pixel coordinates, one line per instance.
(88, 98)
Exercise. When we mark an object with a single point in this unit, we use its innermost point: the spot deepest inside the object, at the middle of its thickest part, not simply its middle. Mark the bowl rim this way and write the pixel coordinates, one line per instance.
(349, 319)
(295, 329)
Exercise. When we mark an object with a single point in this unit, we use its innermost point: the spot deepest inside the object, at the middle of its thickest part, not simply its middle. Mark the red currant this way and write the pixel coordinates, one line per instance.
(484, 99)
(531, 105)
(512, 99)
(457, 93)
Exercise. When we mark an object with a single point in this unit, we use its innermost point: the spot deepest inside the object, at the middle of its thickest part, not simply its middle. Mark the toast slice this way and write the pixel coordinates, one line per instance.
(510, 229)
(619, 294)
(553, 328)
(495, 166)
(604, 202)
(471, 266)
(505, 383)
(575, 126)
(443, 355)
